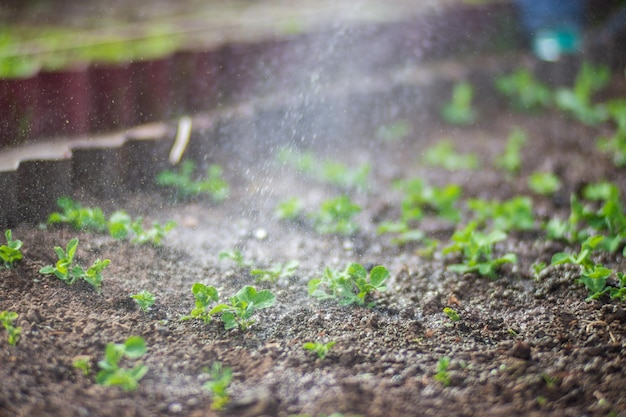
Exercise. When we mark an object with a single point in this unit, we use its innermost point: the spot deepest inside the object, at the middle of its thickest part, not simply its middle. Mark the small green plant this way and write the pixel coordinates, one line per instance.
(578, 100)
(11, 252)
(394, 131)
(7, 318)
(236, 256)
(350, 286)
(451, 313)
(237, 312)
(145, 299)
(319, 348)
(276, 272)
(221, 377)
(111, 374)
(289, 209)
(459, 110)
(326, 170)
(615, 145)
(544, 183)
(421, 198)
(213, 184)
(335, 216)
(79, 217)
(510, 160)
(477, 250)
(154, 235)
(524, 91)
(83, 364)
(442, 375)
(513, 214)
(444, 155)
(66, 271)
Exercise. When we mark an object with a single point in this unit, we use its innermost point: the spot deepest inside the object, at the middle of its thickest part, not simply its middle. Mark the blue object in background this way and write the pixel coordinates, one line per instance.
(554, 26)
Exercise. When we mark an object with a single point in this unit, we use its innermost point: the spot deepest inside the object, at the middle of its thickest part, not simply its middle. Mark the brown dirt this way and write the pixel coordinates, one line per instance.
(522, 346)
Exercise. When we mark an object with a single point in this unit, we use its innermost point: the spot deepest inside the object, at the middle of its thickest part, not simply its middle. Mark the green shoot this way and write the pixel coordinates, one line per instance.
(276, 272)
(111, 373)
(11, 252)
(477, 250)
(393, 132)
(442, 375)
(66, 271)
(7, 318)
(204, 295)
(153, 235)
(186, 187)
(335, 216)
(420, 198)
(524, 91)
(544, 183)
(459, 110)
(80, 218)
(444, 155)
(513, 214)
(327, 171)
(577, 101)
(241, 306)
(350, 286)
(321, 349)
(615, 145)
(83, 363)
(119, 225)
(510, 160)
(289, 209)
(144, 299)
(451, 313)
(221, 377)
(236, 256)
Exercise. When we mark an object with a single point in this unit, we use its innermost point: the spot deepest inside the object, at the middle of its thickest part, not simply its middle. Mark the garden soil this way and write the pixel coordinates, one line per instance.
(523, 345)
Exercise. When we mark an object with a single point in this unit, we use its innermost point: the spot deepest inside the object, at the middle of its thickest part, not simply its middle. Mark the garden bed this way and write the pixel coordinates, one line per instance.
(522, 344)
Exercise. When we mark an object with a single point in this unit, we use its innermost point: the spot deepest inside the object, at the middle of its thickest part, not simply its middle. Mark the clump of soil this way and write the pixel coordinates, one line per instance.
(523, 346)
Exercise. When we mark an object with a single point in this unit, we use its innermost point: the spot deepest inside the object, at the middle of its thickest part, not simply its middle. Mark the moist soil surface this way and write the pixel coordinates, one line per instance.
(523, 345)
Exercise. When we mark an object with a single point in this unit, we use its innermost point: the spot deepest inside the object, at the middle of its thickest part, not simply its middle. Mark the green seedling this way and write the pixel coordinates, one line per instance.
(513, 214)
(236, 256)
(289, 209)
(120, 225)
(7, 318)
(276, 272)
(444, 155)
(238, 311)
(144, 299)
(510, 160)
(221, 377)
(403, 232)
(83, 364)
(544, 183)
(321, 349)
(459, 110)
(327, 171)
(477, 250)
(421, 198)
(335, 216)
(11, 252)
(187, 187)
(66, 271)
(395, 131)
(451, 313)
(537, 267)
(79, 217)
(111, 374)
(442, 375)
(615, 145)
(350, 286)
(524, 91)
(578, 101)
(154, 235)
(204, 295)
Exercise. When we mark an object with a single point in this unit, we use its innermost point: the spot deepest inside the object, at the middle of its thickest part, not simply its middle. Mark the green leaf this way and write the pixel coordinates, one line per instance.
(229, 320)
(378, 275)
(134, 347)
